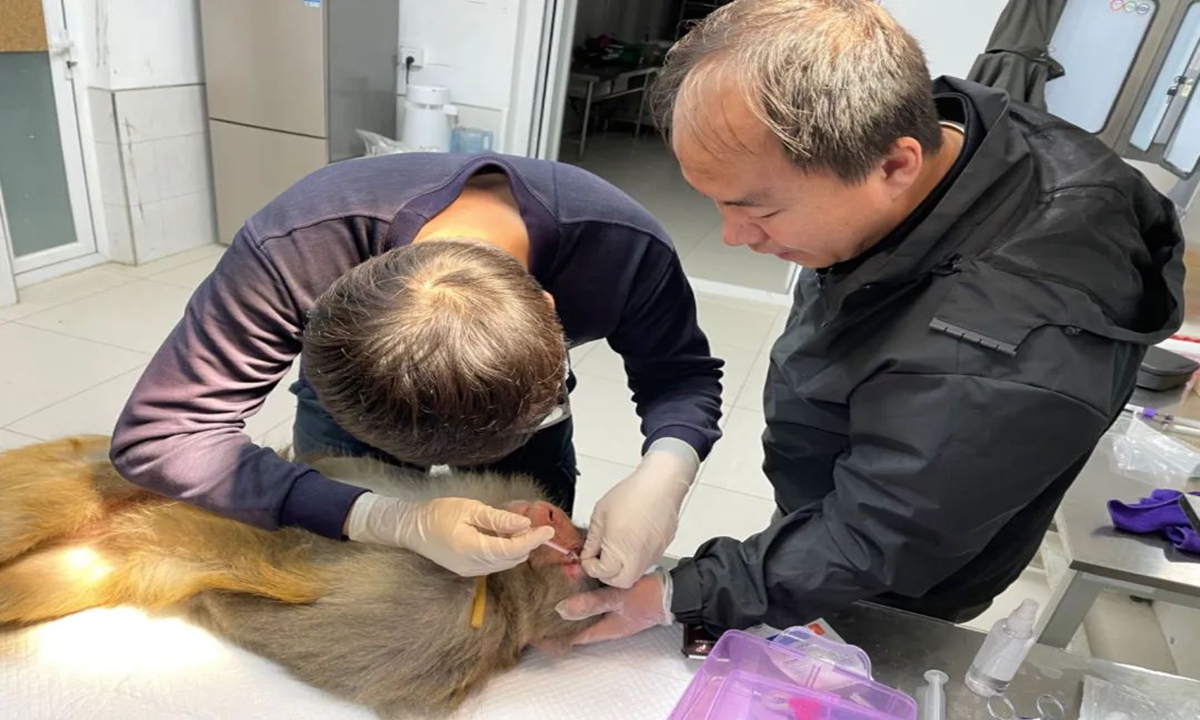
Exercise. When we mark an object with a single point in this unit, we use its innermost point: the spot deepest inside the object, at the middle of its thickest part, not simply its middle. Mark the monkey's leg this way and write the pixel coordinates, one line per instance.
(53, 582)
(51, 490)
(57, 581)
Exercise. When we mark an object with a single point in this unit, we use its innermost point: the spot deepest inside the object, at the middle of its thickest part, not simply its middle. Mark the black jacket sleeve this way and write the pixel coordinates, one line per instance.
(937, 464)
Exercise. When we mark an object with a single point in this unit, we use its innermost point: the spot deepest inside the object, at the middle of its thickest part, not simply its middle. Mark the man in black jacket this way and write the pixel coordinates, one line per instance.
(981, 283)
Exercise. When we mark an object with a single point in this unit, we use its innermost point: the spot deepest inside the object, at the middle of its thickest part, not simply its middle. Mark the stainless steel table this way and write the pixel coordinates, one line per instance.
(1099, 557)
(902, 646)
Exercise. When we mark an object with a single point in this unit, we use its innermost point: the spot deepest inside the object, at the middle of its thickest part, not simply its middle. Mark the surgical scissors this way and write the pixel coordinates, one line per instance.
(1048, 708)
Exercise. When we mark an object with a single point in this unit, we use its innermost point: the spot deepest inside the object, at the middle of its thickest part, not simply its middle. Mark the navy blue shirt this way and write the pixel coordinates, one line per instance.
(609, 265)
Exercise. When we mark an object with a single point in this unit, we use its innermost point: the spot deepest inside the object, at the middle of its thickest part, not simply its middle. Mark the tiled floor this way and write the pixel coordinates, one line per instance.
(645, 168)
(75, 346)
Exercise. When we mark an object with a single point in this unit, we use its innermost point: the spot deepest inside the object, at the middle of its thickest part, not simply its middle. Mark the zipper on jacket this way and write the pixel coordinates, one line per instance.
(949, 266)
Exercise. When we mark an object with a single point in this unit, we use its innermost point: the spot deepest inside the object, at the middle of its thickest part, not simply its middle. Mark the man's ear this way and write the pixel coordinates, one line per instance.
(549, 298)
(902, 165)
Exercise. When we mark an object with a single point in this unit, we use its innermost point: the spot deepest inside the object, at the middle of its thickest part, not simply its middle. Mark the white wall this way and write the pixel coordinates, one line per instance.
(144, 43)
(952, 32)
(483, 50)
(145, 75)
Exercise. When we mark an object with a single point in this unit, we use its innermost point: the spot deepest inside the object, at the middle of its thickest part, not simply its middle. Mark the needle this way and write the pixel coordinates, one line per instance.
(559, 548)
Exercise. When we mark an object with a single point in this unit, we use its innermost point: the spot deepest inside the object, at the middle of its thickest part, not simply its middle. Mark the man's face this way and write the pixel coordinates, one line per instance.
(766, 203)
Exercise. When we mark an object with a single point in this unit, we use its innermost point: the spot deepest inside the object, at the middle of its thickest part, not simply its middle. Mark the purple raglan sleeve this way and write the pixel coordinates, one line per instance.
(181, 432)
(675, 380)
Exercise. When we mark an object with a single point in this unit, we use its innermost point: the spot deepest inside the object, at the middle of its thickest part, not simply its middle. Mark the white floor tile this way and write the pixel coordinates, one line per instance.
(93, 411)
(277, 438)
(10, 440)
(604, 362)
(751, 395)
(712, 512)
(777, 329)
(188, 276)
(39, 368)
(737, 458)
(606, 425)
(739, 364)
(738, 323)
(280, 407)
(53, 293)
(1123, 630)
(168, 263)
(581, 352)
(138, 315)
(596, 477)
(711, 259)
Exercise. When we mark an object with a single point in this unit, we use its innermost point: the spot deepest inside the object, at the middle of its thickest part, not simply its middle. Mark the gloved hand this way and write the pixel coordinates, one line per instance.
(452, 532)
(627, 612)
(636, 520)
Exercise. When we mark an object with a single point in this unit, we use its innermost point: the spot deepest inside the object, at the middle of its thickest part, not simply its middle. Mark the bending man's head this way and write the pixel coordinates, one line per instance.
(806, 121)
(444, 352)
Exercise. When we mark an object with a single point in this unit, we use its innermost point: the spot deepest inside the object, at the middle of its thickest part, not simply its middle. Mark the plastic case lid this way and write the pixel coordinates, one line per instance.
(795, 678)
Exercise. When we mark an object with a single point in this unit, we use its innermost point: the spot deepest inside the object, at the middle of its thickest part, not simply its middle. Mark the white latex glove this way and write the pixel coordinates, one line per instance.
(626, 612)
(464, 536)
(636, 520)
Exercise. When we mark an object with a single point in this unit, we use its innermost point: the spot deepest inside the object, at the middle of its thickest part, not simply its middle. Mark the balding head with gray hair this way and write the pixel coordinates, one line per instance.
(837, 82)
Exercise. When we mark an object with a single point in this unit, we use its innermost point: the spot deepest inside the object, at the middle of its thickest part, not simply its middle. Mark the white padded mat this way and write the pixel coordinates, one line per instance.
(120, 664)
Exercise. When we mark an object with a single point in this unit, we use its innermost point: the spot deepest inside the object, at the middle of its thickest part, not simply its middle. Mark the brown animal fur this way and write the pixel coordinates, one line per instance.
(383, 627)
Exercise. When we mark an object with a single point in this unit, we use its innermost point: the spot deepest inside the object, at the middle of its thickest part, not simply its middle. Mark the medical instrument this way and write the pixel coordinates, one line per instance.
(1003, 651)
(1166, 420)
(933, 704)
(1048, 708)
(571, 554)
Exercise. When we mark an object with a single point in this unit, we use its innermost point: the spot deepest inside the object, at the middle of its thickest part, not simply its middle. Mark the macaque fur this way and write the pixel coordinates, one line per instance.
(380, 626)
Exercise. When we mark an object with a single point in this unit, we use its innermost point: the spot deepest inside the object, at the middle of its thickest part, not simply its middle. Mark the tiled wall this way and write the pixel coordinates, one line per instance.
(155, 176)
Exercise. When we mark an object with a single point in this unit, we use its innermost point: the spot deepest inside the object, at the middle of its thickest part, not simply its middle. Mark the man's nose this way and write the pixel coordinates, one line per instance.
(732, 233)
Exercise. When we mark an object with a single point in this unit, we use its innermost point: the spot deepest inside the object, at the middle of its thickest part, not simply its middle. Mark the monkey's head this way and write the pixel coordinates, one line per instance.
(547, 578)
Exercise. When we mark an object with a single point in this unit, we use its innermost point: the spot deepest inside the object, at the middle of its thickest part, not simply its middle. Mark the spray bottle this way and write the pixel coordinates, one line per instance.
(1003, 651)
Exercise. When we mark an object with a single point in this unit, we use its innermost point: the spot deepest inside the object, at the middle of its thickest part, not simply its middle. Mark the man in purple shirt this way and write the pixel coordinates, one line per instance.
(427, 297)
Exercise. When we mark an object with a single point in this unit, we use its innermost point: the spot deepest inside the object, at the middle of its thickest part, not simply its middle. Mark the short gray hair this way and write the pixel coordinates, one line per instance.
(837, 82)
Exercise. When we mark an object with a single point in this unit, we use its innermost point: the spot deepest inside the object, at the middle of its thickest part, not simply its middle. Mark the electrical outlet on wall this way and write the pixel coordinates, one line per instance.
(417, 54)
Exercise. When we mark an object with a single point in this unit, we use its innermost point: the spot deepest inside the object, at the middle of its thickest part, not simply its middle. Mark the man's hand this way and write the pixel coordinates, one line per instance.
(464, 536)
(636, 520)
(626, 612)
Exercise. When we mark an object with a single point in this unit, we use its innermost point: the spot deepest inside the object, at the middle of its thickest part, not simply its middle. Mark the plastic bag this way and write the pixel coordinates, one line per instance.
(1143, 453)
(1103, 700)
(379, 145)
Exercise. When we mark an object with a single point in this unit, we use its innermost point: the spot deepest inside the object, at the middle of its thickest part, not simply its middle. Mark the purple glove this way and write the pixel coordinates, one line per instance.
(1158, 513)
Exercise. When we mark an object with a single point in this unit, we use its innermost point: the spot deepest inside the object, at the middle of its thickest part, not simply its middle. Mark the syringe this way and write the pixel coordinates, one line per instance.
(1168, 421)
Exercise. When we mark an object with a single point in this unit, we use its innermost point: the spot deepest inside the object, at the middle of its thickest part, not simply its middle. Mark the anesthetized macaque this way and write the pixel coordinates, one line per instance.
(377, 625)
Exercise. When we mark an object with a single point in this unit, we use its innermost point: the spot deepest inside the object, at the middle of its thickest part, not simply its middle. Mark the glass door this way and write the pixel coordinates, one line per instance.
(1164, 126)
(43, 191)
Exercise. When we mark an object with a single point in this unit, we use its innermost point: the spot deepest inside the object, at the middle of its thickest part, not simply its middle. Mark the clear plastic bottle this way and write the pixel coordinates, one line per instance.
(1003, 651)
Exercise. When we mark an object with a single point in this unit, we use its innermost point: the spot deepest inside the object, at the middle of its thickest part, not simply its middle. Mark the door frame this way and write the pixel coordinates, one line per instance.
(79, 157)
(8, 283)
(554, 71)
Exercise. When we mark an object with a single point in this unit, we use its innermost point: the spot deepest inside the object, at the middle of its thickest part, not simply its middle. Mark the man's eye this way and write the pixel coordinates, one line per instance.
(768, 215)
